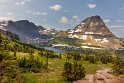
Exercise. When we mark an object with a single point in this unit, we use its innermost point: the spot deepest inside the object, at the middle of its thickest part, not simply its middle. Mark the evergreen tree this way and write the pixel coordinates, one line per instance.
(67, 73)
(74, 71)
(118, 66)
(92, 59)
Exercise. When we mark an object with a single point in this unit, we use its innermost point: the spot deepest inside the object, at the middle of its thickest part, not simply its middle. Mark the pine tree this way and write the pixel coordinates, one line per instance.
(118, 66)
(92, 58)
(72, 71)
(67, 73)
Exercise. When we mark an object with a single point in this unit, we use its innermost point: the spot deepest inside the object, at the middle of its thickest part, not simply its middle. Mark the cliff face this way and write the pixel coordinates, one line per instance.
(23, 28)
(94, 32)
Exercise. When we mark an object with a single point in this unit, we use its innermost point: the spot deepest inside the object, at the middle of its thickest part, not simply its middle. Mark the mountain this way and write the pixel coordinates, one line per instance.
(93, 25)
(24, 29)
(122, 39)
(94, 32)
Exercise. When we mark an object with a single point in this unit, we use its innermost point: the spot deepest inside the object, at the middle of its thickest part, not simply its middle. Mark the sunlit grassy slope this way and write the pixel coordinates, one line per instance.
(55, 69)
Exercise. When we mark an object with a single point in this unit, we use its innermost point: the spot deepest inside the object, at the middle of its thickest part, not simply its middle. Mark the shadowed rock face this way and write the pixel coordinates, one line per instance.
(24, 29)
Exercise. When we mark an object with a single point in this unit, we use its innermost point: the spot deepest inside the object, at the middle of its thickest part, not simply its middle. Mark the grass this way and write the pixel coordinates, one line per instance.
(67, 41)
(55, 69)
(92, 68)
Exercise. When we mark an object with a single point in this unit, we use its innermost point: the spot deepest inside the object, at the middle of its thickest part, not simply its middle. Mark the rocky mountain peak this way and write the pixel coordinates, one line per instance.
(94, 32)
(93, 25)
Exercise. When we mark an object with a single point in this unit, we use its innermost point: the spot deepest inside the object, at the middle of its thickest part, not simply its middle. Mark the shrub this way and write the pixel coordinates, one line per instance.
(118, 66)
(27, 65)
(74, 71)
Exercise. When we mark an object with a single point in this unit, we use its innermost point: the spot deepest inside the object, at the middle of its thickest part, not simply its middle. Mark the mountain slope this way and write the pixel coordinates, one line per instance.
(94, 25)
(94, 32)
(24, 29)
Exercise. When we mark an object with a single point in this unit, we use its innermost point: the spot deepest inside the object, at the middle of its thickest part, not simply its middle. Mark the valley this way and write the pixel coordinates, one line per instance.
(39, 71)
(33, 54)
(61, 41)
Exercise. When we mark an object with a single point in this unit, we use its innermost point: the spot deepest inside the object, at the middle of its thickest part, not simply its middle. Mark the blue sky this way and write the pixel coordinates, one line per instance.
(65, 14)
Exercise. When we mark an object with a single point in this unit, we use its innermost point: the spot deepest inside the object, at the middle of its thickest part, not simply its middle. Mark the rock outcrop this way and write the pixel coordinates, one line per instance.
(102, 76)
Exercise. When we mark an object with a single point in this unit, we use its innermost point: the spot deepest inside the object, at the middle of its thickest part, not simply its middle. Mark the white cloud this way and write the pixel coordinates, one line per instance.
(39, 13)
(107, 20)
(91, 6)
(116, 26)
(22, 2)
(64, 20)
(6, 18)
(21, 19)
(48, 27)
(28, 11)
(75, 17)
(10, 14)
(56, 7)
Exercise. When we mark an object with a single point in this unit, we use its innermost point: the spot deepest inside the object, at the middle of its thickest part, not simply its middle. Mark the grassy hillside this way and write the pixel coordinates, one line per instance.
(24, 63)
(66, 40)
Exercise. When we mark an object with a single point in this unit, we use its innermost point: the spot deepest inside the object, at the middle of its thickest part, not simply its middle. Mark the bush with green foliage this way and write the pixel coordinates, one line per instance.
(73, 71)
(106, 59)
(66, 40)
(27, 65)
(118, 66)
(93, 59)
(9, 72)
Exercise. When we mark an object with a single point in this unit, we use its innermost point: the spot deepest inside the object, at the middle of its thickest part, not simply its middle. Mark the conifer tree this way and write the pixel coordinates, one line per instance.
(118, 66)
(73, 71)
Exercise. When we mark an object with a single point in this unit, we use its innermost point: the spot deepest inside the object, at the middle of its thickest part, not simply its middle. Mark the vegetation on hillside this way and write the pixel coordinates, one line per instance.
(24, 63)
(67, 41)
